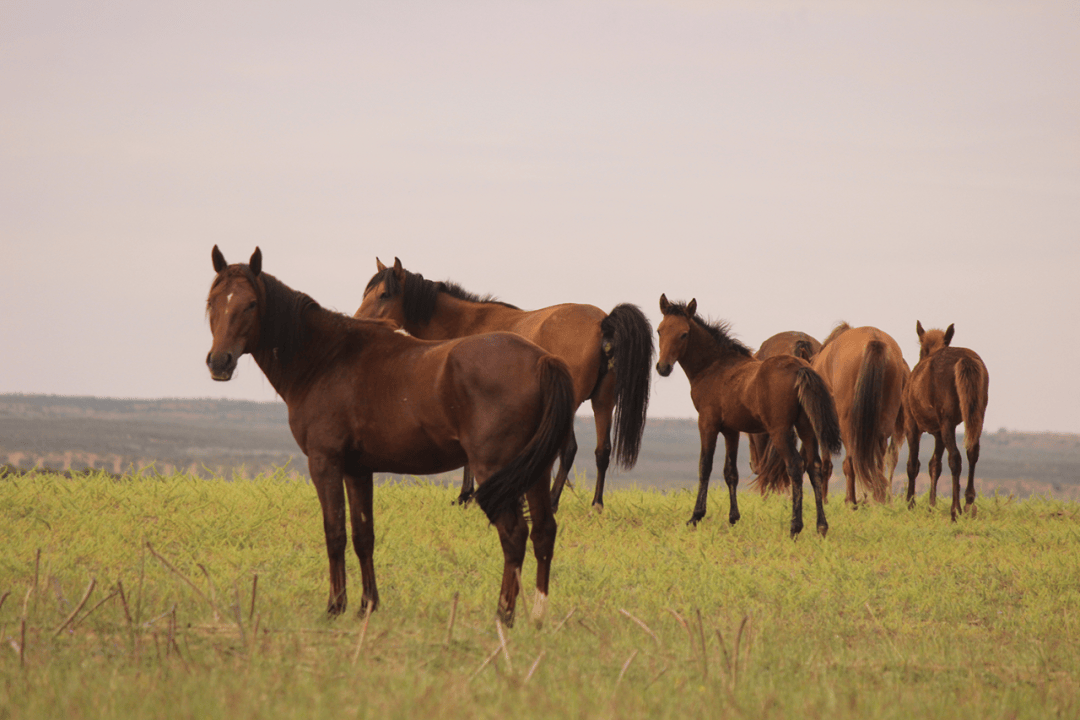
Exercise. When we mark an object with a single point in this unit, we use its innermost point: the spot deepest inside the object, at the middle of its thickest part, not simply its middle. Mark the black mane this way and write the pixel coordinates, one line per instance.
(718, 330)
(419, 295)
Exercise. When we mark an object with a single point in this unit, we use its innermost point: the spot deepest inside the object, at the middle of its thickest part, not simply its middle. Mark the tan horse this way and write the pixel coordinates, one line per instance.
(771, 474)
(363, 398)
(948, 386)
(866, 371)
(733, 393)
(609, 354)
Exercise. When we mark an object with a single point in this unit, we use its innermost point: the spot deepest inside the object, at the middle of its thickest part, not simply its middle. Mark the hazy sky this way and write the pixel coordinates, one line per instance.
(788, 164)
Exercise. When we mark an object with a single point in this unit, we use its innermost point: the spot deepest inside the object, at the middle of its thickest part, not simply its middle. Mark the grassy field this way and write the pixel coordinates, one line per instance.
(206, 601)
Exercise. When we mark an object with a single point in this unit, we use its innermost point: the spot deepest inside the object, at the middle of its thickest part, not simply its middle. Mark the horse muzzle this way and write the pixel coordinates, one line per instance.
(221, 365)
(663, 368)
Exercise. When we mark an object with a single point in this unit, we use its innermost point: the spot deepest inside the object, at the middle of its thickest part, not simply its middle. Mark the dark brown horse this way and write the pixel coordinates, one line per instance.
(770, 470)
(609, 354)
(734, 392)
(866, 372)
(948, 386)
(363, 398)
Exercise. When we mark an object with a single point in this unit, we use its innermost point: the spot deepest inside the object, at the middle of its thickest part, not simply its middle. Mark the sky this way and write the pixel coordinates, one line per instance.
(788, 164)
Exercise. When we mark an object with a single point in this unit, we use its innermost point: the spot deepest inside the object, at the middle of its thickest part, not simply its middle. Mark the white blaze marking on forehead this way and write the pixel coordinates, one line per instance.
(228, 299)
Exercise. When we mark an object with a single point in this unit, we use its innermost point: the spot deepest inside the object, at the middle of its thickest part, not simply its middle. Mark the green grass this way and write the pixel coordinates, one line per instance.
(896, 614)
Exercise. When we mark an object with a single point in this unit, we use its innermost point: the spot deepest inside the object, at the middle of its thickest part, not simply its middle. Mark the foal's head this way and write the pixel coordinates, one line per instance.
(674, 332)
(930, 341)
(234, 309)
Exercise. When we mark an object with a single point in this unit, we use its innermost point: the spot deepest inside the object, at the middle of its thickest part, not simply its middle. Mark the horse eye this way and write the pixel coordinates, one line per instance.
(385, 295)
(252, 305)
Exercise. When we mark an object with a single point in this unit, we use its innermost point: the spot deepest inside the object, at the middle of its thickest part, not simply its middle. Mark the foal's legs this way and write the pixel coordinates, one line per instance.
(513, 535)
(731, 472)
(705, 462)
(466, 486)
(811, 458)
(972, 458)
(603, 405)
(913, 440)
(566, 461)
(935, 466)
(359, 490)
(949, 432)
(784, 444)
(326, 477)
(544, 529)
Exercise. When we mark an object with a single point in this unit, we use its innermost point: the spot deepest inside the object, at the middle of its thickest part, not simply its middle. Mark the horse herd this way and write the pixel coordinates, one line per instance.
(427, 377)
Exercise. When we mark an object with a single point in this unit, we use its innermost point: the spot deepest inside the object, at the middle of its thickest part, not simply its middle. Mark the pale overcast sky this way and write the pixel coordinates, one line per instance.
(788, 164)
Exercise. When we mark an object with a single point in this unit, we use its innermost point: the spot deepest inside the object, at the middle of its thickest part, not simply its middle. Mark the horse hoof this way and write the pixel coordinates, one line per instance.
(823, 530)
(463, 499)
(598, 507)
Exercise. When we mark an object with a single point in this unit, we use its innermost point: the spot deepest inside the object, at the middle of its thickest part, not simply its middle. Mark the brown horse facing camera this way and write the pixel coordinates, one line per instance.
(363, 398)
(609, 354)
(733, 392)
(948, 386)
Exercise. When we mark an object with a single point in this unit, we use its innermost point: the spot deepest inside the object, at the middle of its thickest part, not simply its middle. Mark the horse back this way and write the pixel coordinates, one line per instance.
(840, 363)
(933, 396)
(571, 332)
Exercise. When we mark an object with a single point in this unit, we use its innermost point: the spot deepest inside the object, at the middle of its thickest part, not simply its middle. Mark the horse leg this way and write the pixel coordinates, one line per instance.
(326, 475)
(913, 440)
(849, 478)
(935, 467)
(949, 431)
(359, 490)
(543, 533)
(466, 486)
(514, 536)
(811, 457)
(784, 443)
(705, 461)
(969, 493)
(826, 476)
(566, 461)
(731, 473)
(603, 404)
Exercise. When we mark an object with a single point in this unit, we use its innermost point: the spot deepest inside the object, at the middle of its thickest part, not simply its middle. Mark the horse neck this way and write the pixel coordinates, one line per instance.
(291, 370)
(454, 318)
(703, 353)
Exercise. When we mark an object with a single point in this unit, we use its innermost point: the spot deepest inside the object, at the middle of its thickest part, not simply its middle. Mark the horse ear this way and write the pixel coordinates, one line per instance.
(691, 307)
(255, 263)
(399, 270)
(949, 334)
(664, 304)
(219, 259)
(918, 329)
(379, 267)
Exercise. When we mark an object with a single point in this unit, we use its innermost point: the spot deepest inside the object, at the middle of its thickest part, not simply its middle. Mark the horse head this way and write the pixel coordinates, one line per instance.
(234, 309)
(930, 341)
(674, 332)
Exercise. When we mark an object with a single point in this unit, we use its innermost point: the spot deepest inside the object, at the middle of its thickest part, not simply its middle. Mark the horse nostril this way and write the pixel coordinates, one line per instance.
(208, 360)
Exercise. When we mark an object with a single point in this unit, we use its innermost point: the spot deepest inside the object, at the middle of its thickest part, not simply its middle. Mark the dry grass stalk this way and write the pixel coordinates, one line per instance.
(487, 661)
(200, 593)
(642, 625)
(689, 635)
(3, 598)
(559, 626)
(625, 667)
(90, 612)
(22, 642)
(85, 597)
(236, 614)
(363, 633)
(704, 652)
(533, 667)
(502, 643)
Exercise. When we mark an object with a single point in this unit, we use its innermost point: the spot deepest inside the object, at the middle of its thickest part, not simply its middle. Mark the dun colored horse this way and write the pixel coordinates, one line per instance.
(733, 392)
(770, 470)
(866, 372)
(947, 386)
(609, 354)
(363, 398)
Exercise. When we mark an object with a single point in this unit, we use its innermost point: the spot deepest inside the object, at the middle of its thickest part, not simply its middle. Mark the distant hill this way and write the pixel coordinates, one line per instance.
(227, 437)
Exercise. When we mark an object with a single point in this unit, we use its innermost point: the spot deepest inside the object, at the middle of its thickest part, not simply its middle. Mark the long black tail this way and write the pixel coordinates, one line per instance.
(631, 347)
(503, 490)
(817, 403)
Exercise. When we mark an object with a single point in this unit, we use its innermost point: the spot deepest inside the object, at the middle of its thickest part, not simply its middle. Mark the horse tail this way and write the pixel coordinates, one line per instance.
(817, 402)
(868, 453)
(503, 490)
(772, 476)
(969, 374)
(803, 349)
(628, 349)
